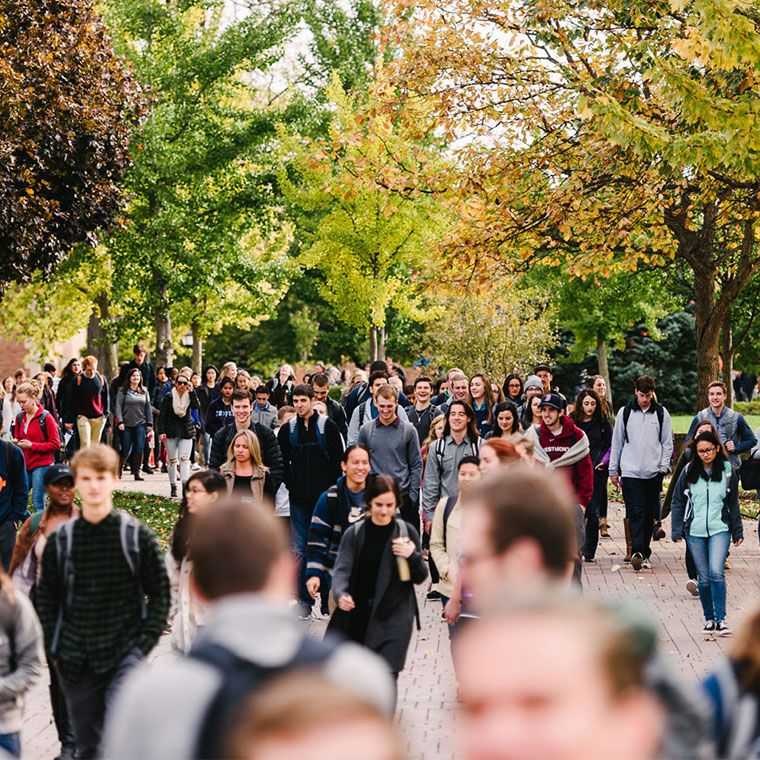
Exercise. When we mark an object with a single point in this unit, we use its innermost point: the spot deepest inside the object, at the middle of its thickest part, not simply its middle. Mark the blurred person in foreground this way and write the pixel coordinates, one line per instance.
(557, 677)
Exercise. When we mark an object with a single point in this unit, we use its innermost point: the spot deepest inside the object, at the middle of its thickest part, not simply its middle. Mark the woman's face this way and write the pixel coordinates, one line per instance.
(211, 376)
(600, 387)
(76, 367)
(285, 372)
(439, 425)
(198, 498)
(514, 387)
(382, 509)
(182, 385)
(240, 450)
(506, 420)
(488, 459)
(161, 375)
(134, 378)
(589, 406)
(706, 452)
(477, 387)
(703, 428)
(195, 379)
(8, 384)
(535, 407)
(232, 371)
(241, 382)
(356, 468)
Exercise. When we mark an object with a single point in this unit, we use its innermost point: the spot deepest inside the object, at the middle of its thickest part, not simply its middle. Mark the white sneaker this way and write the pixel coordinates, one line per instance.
(195, 467)
(692, 587)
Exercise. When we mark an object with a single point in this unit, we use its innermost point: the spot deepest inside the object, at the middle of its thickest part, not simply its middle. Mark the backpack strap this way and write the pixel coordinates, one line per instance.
(321, 438)
(362, 407)
(63, 542)
(447, 510)
(332, 503)
(129, 535)
(34, 525)
(240, 678)
(440, 450)
(292, 432)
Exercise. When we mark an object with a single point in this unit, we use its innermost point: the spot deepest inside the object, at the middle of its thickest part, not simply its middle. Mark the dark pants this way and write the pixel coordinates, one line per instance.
(410, 511)
(90, 698)
(7, 543)
(60, 711)
(11, 743)
(300, 520)
(642, 506)
(594, 512)
(579, 521)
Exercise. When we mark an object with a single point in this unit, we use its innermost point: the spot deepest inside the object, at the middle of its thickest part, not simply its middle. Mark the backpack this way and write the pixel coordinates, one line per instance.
(451, 502)
(42, 418)
(440, 448)
(239, 678)
(321, 441)
(659, 410)
(129, 535)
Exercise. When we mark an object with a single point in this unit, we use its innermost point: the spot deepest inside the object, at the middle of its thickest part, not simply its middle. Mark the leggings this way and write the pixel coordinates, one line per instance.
(178, 448)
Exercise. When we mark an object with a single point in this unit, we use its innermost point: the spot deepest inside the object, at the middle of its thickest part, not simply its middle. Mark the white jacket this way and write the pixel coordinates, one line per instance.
(187, 612)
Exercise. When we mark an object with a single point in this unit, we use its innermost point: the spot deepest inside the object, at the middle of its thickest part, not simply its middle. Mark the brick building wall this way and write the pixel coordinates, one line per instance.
(12, 357)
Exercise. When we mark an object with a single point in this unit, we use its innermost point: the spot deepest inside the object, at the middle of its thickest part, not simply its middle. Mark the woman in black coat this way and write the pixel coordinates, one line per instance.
(176, 429)
(378, 563)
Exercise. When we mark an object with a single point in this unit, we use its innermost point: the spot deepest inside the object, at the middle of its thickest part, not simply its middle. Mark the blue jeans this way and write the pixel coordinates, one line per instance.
(11, 743)
(300, 520)
(7, 543)
(133, 440)
(36, 476)
(710, 559)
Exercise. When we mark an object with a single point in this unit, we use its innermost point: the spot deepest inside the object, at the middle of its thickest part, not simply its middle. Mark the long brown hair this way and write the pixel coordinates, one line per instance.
(746, 652)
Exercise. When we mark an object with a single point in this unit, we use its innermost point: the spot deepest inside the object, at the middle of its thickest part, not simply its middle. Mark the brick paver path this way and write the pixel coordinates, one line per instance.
(427, 691)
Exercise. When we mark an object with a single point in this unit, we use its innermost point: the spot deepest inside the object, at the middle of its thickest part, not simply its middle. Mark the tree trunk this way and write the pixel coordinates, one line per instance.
(98, 343)
(373, 343)
(727, 352)
(197, 360)
(604, 368)
(164, 349)
(708, 329)
(381, 345)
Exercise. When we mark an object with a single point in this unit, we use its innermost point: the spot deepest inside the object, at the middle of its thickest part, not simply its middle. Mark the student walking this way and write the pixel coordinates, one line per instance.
(134, 416)
(176, 429)
(705, 511)
(245, 474)
(88, 403)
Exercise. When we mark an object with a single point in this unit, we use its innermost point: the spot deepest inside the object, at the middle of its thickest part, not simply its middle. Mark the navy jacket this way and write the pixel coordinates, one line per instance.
(14, 487)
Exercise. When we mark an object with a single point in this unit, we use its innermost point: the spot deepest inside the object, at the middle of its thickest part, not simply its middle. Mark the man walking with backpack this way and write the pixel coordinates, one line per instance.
(642, 445)
(14, 496)
(311, 449)
(102, 597)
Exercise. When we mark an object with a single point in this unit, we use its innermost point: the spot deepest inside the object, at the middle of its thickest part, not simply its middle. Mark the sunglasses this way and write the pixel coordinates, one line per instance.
(182, 382)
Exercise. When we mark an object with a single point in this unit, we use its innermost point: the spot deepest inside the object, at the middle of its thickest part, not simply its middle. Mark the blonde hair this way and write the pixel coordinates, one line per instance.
(30, 388)
(89, 361)
(253, 446)
(101, 458)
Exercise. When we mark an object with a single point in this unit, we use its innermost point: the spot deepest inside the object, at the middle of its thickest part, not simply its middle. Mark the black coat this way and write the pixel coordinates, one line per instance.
(270, 449)
(172, 425)
(392, 618)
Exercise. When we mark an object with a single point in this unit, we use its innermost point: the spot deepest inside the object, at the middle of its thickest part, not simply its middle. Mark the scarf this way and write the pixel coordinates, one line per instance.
(180, 404)
(575, 453)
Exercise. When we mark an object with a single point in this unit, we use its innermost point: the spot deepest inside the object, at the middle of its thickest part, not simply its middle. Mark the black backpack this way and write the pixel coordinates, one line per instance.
(659, 411)
(240, 678)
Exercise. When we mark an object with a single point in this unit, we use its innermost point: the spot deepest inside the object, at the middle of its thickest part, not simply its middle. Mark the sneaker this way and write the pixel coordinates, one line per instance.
(709, 628)
(148, 470)
(637, 560)
(722, 629)
(195, 467)
(589, 559)
(646, 564)
(692, 587)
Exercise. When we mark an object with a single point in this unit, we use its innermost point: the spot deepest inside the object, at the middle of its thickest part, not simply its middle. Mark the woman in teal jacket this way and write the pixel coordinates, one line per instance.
(706, 512)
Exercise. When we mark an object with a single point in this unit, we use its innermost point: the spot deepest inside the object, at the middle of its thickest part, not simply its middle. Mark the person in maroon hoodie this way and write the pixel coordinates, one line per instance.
(88, 403)
(35, 432)
(559, 444)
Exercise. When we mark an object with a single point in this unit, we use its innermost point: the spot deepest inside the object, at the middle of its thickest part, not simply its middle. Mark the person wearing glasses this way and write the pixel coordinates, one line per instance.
(176, 429)
(705, 511)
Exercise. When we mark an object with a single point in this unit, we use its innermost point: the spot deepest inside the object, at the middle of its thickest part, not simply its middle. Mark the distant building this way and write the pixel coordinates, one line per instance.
(14, 356)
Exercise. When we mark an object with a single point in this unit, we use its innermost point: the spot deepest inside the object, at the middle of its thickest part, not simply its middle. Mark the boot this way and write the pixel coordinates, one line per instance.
(135, 460)
(121, 466)
(173, 491)
(628, 539)
(604, 528)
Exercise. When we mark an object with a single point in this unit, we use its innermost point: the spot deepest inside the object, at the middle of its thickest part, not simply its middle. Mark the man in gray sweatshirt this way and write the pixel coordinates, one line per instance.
(394, 449)
(642, 445)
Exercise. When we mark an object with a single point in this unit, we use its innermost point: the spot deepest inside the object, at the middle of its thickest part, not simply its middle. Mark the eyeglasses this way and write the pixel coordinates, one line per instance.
(705, 452)
(181, 382)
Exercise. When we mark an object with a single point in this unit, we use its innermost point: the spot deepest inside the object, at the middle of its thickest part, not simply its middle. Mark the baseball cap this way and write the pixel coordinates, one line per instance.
(56, 473)
(542, 367)
(553, 400)
(533, 381)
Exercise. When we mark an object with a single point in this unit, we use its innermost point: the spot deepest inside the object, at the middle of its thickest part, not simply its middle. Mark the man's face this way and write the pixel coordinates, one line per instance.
(457, 419)
(140, 357)
(262, 398)
(520, 698)
(468, 473)
(423, 392)
(716, 397)
(459, 389)
(241, 410)
(644, 398)
(550, 416)
(227, 390)
(302, 406)
(61, 493)
(386, 408)
(379, 383)
(320, 392)
(546, 378)
(94, 488)
(90, 371)
(356, 467)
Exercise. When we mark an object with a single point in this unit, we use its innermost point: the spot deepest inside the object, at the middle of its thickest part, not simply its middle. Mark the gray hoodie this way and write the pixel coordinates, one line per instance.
(158, 711)
(20, 639)
(647, 451)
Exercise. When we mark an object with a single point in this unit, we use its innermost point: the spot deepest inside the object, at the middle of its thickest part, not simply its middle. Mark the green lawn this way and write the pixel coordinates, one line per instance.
(681, 422)
(157, 513)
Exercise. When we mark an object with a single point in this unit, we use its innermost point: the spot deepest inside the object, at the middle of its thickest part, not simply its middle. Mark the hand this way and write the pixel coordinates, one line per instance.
(729, 445)
(738, 542)
(312, 586)
(162, 437)
(427, 526)
(346, 603)
(24, 444)
(601, 466)
(452, 610)
(121, 427)
(69, 426)
(403, 547)
(615, 480)
(149, 427)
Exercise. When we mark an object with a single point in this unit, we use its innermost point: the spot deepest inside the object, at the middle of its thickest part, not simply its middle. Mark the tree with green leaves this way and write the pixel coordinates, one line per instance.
(601, 135)
(67, 106)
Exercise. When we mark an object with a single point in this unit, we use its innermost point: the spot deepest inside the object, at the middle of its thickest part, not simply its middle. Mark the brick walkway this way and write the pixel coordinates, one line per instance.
(427, 688)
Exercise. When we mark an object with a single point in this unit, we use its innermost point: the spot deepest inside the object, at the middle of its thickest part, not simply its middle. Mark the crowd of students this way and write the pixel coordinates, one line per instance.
(295, 505)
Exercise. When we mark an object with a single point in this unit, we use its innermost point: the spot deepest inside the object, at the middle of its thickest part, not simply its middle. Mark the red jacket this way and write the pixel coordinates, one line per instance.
(580, 474)
(43, 446)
